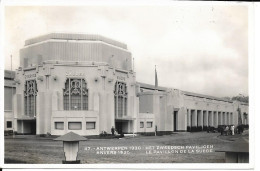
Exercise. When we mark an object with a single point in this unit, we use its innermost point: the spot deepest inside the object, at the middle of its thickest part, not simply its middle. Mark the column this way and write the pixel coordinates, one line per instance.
(231, 119)
(188, 118)
(210, 117)
(228, 120)
(216, 119)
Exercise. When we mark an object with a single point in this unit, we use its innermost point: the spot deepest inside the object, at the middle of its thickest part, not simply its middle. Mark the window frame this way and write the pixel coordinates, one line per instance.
(147, 124)
(30, 98)
(90, 122)
(120, 99)
(55, 126)
(83, 97)
(7, 124)
(74, 122)
(141, 124)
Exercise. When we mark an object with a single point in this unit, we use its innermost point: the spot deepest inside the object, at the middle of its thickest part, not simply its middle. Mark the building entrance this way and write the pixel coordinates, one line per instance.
(27, 127)
(122, 127)
(119, 127)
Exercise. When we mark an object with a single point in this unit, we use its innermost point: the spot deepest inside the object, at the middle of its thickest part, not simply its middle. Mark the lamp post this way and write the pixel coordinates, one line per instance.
(71, 147)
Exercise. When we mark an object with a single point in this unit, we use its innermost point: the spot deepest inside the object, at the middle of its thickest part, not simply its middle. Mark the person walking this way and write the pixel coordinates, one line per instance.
(233, 129)
(113, 130)
(226, 130)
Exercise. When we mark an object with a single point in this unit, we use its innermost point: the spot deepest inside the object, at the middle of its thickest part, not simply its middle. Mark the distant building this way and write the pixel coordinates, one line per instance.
(9, 91)
(85, 84)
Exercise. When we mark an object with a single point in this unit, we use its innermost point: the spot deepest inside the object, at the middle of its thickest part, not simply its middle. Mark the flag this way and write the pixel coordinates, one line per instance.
(156, 79)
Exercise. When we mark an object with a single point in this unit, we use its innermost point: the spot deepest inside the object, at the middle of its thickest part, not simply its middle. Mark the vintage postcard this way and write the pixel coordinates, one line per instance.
(140, 84)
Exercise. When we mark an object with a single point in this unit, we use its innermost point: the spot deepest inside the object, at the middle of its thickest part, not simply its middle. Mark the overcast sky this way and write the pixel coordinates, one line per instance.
(202, 49)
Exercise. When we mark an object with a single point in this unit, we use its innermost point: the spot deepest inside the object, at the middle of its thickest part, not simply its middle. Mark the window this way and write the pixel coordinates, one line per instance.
(75, 126)
(149, 124)
(59, 125)
(30, 94)
(141, 124)
(120, 99)
(90, 125)
(9, 124)
(75, 96)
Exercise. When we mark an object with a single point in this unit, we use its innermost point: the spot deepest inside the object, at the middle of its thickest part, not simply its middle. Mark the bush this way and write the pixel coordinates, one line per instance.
(199, 128)
(103, 134)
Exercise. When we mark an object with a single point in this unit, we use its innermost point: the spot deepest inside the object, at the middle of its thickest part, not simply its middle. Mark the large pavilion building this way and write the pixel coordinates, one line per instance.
(86, 84)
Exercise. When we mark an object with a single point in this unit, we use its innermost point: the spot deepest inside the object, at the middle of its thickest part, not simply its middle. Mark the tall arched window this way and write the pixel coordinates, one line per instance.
(30, 94)
(120, 99)
(75, 94)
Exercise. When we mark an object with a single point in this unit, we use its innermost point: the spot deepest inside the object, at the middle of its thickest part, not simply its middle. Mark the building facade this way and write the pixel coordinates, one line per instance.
(86, 84)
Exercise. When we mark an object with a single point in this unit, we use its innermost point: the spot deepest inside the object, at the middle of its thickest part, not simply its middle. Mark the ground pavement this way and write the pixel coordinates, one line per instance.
(139, 149)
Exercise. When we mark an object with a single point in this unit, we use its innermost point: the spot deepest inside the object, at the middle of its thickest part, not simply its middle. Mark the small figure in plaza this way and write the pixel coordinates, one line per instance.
(113, 130)
(233, 129)
(226, 130)
(116, 133)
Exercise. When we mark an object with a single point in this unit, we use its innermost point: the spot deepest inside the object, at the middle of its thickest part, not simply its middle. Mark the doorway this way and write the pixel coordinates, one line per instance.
(119, 127)
(175, 118)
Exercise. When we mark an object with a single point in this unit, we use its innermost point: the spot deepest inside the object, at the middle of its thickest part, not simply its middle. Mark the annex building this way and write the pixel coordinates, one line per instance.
(86, 84)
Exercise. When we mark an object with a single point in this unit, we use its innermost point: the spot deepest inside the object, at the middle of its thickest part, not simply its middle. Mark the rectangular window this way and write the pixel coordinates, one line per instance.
(9, 124)
(90, 125)
(149, 124)
(59, 125)
(141, 124)
(75, 126)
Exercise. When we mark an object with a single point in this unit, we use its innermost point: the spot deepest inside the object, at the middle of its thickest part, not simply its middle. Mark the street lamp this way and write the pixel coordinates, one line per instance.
(71, 147)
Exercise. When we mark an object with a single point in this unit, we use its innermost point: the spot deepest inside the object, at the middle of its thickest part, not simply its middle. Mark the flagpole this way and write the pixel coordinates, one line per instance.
(12, 94)
(156, 79)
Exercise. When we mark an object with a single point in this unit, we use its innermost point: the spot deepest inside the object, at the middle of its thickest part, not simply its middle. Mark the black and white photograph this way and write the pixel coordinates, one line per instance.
(118, 83)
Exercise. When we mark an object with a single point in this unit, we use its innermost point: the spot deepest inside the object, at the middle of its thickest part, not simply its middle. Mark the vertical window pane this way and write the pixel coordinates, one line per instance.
(115, 100)
(85, 102)
(120, 99)
(25, 105)
(66, 102)
(120, 106)
(30, 98)
(75, 102)
(125, 107)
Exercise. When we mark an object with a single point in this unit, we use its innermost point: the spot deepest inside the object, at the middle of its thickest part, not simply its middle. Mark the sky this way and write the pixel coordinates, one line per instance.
(196, 48)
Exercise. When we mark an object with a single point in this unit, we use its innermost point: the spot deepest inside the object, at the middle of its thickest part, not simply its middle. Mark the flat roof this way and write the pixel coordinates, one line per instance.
(152, 87)
(74, 36)
(205, 96)
(9, 74)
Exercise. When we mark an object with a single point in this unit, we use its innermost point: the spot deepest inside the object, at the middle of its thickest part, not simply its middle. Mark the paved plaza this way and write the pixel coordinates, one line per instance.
(175, 148)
